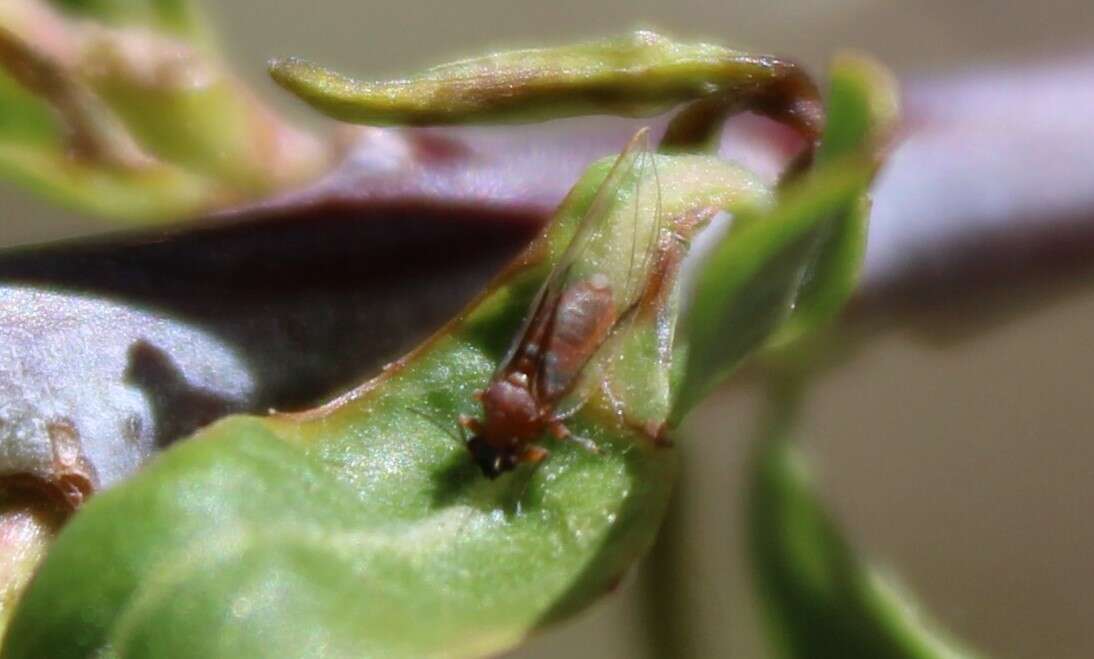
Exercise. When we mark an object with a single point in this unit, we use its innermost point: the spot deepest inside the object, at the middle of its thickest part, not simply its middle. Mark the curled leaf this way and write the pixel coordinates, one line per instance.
(363, 528)
(637, 75)
(747, 285)
(863, 108)
(781, 274)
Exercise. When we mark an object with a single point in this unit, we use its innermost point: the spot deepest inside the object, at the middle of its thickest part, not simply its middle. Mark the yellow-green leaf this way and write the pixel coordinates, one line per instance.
(364, 528)
(823, 601)
(641, 74)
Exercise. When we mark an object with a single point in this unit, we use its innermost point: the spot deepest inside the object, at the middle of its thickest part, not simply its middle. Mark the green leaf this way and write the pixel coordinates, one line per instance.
(26, 120)
(153, 194)
(179, 17)
(822, 601)
(746, 287)
(34, 153)
(126, 111)
(212, 127)
(641, 74)
(863, 107)
(363, 528)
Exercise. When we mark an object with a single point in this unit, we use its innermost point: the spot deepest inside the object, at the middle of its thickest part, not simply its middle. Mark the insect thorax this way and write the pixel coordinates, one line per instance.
(511, 413)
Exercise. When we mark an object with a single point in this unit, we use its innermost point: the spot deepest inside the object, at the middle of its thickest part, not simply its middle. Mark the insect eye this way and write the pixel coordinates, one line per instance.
(485, 457)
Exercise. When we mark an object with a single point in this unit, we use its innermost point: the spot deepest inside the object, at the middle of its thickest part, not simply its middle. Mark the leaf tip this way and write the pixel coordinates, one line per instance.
(285, 70)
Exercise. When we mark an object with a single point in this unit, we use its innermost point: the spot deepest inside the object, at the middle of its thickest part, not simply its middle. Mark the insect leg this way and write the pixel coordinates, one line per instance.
(470, 423)
(614, 401)
(533, 454)
(560, 431)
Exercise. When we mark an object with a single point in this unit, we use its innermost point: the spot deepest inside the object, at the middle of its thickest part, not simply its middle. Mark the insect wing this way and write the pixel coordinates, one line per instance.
(602, 275)
(537, 326)
(601, 218)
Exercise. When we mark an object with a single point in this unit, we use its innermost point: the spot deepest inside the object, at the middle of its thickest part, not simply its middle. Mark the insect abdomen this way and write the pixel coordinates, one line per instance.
(583, 319)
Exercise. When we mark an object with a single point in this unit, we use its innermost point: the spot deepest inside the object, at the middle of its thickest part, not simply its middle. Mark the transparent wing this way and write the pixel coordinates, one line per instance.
(625, 175)
(603, 215)
(602, 276)
(633, 368)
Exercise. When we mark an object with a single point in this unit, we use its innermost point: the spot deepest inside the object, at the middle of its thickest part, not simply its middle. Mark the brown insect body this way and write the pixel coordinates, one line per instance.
(572, 318)
(519, 404)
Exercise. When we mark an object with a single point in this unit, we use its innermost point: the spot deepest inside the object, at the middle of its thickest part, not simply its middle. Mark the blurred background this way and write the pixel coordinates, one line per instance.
(962, 464)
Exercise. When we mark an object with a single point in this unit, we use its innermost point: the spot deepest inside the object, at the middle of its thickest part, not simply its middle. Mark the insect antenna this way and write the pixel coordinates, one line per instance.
(519, 501)
(460, 439)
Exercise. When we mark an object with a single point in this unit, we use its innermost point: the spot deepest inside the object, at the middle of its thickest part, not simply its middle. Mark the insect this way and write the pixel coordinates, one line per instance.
(592, 292)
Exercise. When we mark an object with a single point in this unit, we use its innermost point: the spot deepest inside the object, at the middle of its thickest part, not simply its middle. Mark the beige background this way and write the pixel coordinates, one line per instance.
(967, 468)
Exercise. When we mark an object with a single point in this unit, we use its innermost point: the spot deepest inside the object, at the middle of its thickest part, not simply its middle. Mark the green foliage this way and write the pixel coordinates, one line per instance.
(33, 152)
(149, 194)
(364, 529)
(789, 271)
(213, 129)
(821, 600)
(862, 110)
(863, 107)
(127, 112)
(641, 74)
(26, 120)
(179, 17)
(746, 288)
